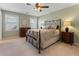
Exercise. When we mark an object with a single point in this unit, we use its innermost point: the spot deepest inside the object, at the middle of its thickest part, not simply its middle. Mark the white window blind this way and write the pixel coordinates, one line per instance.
(33, 22)
(11, 22)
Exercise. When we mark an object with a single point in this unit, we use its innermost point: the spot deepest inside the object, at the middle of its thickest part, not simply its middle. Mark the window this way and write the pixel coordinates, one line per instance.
(11, 22)
(33, 22)
(41, 23)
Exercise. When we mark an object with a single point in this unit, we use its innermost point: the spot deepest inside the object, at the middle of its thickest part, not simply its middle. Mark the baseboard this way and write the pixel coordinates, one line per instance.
(77, 44)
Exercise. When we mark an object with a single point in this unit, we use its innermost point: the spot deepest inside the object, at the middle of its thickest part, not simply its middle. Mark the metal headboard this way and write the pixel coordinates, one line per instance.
(53, 22)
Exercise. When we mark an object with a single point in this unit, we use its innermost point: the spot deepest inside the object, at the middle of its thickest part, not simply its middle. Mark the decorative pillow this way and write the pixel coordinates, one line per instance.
(49, 27)
(53, 26)
(46, 27)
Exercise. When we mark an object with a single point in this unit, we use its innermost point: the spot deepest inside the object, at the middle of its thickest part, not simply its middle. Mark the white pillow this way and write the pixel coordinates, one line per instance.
(53, 26)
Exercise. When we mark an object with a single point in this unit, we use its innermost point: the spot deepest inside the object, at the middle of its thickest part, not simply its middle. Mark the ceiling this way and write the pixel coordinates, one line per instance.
(26, 9)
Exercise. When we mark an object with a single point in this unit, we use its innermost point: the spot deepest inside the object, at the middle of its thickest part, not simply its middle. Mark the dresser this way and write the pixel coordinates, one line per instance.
(22, 31)
(67, 37)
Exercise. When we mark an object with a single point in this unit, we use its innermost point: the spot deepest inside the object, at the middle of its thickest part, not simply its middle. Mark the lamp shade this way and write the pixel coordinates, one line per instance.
(67, 23)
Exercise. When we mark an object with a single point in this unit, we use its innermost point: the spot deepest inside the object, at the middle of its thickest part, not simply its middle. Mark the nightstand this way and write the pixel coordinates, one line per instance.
(23, 30)
(67, 37)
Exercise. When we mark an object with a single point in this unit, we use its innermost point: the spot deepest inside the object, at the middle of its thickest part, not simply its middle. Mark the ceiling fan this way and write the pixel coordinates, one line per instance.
(38, 6)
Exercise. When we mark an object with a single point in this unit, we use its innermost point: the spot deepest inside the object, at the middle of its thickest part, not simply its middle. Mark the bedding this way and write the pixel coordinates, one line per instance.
(47, 36)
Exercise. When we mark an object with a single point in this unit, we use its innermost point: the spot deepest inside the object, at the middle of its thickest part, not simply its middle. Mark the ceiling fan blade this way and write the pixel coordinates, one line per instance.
(44, 6)
(28, 4)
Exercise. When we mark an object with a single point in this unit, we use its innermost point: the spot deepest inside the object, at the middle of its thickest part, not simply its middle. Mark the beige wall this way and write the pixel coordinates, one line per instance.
(0, 25)
(22, 19)
(70, 13)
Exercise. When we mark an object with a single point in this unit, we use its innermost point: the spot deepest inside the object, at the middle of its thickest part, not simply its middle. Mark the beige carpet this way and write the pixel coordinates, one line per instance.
(19, 47)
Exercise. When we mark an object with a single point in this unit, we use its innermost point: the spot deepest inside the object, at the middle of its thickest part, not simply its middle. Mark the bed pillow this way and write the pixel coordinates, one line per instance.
(52, 27)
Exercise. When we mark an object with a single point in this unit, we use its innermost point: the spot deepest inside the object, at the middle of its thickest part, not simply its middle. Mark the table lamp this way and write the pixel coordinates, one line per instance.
(66, 24)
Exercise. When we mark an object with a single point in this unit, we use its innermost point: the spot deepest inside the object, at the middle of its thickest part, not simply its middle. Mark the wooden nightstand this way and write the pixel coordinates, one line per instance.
(23, 30)
(67, 37)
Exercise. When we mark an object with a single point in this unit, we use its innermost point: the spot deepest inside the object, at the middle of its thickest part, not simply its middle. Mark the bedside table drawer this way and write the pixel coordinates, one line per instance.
(67, 38)
(66, 34)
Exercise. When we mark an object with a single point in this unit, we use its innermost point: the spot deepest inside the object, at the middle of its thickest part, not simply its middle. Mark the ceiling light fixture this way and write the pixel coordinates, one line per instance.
(38, 6)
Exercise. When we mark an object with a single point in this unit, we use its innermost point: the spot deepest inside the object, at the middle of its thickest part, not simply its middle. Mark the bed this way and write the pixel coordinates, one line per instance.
(44, 38)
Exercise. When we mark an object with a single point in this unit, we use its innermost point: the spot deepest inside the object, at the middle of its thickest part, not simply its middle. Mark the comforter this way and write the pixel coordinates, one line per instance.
(47, 37)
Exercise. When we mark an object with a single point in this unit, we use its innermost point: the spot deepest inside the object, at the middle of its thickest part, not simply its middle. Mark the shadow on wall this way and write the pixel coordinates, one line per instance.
(76, 33)
(75, 28)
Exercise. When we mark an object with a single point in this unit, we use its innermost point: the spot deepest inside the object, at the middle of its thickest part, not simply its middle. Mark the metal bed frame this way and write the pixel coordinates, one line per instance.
(39, 49)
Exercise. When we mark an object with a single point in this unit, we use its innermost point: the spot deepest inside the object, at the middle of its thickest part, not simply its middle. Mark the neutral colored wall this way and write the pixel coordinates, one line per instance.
(0, 25)
(22, 19)
(70, 13)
